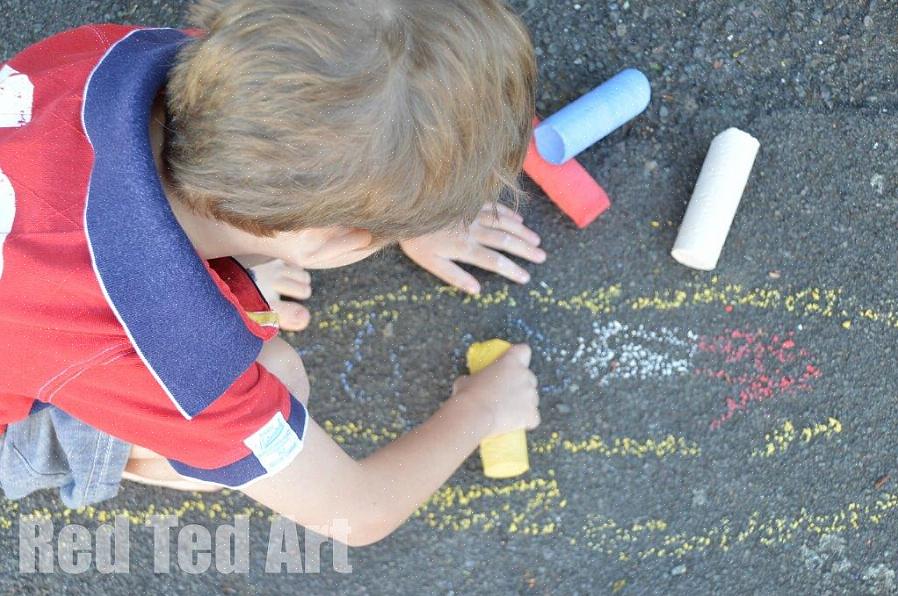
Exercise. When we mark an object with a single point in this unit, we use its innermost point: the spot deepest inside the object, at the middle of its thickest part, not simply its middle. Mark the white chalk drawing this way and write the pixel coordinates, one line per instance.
(619, 352)
(7, 212)
(16, 98)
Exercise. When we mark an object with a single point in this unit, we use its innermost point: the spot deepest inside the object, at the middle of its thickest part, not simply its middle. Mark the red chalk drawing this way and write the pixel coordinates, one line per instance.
(758, 367)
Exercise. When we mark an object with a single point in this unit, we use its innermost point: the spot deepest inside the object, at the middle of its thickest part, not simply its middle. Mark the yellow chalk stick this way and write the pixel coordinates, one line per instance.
(503, 456)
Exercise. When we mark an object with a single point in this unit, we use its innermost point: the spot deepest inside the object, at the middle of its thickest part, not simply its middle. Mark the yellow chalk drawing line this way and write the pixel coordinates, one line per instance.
(621, 446)
(825, 303)
(782, 439)
(809, 301)
(487, 507)
(193, 506)
(344, 432)
(616, 447)
(776, 442)
(456, 508)
(623, 542)
(345, 312)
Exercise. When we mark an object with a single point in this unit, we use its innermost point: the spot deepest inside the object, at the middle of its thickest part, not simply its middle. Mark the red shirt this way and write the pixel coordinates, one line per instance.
(106, 310)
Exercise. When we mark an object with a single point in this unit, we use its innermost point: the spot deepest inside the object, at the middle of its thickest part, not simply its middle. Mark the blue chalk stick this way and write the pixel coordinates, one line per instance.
(580, 124)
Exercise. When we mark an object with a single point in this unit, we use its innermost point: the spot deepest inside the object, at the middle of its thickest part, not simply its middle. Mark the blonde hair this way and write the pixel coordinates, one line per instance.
(400, 117)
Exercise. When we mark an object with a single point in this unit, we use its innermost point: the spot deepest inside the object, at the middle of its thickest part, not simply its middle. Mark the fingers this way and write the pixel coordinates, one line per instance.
(508, 242)
(522, 354)
(509, 224)
(292, 288)
(491, 260)
(535, 421)
(278, 278)
(532, 380)
(292, 316)
(534, 385)
(491, 208)
(452, 274)
(459, 383)
(296, 273)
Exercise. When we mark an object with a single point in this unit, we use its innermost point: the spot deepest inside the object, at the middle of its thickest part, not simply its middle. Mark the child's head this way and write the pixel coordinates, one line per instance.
(399, 117)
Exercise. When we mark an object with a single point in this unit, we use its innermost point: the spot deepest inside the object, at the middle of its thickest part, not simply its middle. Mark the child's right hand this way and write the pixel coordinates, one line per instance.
(322, 483)
(506, 390)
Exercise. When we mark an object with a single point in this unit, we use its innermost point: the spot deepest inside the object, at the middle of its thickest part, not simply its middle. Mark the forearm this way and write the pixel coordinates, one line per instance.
(402, 475)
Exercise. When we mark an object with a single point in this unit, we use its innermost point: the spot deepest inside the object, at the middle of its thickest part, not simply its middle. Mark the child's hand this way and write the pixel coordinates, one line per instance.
(277, 279)
(506, 389)
(479, 246)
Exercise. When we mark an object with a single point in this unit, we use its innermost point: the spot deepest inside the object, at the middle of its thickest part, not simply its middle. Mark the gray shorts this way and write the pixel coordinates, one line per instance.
(50, 449)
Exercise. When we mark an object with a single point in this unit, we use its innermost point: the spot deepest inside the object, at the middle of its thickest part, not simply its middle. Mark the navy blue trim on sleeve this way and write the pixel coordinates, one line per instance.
(268, 456)
(234, 475)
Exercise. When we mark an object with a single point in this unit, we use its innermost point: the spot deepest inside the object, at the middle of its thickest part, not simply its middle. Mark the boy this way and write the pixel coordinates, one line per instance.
(139, 165)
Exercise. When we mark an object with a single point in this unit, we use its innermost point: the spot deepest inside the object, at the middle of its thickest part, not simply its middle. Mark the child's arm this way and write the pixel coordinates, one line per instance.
(376, 494)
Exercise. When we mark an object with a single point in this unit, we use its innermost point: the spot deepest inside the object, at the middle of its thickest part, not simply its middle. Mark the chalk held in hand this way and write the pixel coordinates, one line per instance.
(715, 199)
(503, 456)
(586, 121)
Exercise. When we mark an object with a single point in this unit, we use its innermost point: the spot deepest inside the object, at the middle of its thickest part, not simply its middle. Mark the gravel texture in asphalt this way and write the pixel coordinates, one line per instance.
(729, 432)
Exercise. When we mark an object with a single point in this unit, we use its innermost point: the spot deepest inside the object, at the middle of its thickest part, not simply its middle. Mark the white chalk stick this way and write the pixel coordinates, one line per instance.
(715, 199)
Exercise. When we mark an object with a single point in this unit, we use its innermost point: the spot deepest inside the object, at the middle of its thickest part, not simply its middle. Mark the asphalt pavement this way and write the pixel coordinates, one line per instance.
(729, 432)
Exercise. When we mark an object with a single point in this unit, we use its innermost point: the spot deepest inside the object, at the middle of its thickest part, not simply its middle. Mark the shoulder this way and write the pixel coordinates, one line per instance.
(72, 46)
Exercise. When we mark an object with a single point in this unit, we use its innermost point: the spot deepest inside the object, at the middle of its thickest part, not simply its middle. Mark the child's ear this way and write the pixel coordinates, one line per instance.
(344, 239)
(363, 237)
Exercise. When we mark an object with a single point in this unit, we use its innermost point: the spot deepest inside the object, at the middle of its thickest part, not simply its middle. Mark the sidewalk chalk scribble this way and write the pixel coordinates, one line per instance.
(787, 435)
(757, 367)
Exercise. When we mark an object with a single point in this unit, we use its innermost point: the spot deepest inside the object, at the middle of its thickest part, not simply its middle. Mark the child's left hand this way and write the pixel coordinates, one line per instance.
(277, 280)
(479, 246)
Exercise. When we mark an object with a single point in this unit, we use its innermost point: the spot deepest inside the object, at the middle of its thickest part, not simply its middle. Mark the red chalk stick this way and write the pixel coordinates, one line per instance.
(569, 186)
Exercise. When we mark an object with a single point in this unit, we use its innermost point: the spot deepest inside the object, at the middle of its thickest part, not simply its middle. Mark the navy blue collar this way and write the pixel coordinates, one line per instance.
(190, 336)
